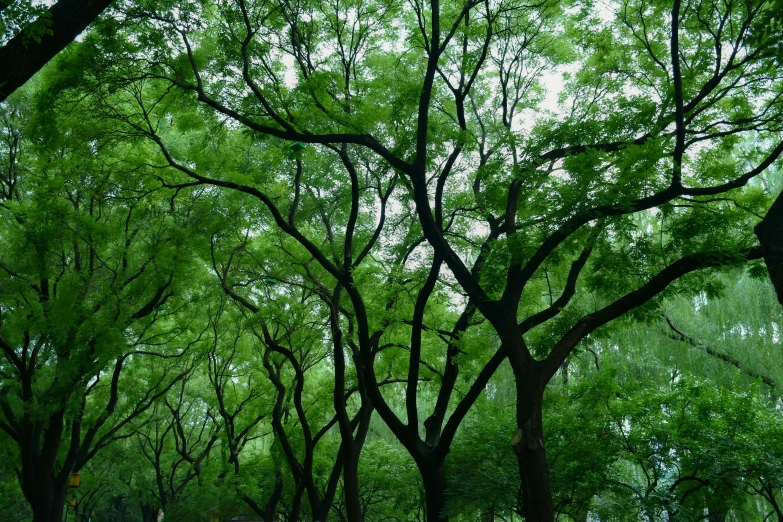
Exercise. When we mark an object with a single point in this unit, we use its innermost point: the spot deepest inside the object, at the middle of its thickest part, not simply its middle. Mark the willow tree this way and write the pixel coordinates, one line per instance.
(638, 177)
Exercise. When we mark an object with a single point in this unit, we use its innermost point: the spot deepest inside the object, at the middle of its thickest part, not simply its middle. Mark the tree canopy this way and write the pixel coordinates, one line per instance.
(374, 260)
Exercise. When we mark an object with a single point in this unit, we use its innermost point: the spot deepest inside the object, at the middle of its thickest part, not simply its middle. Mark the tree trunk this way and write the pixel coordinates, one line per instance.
(353, 506)
(43, 487)
(149, 513)
(119, 509)
(433, 474)
(320, 511)
(770, 234)
(528, 444)
(528, 440)
(49, 504)
(353, 449)
(22, 56)
(271, 506)
(296, 504)
(50, 513)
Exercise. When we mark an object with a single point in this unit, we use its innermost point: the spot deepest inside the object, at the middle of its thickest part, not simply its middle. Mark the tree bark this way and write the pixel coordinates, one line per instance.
(489, 515)
(433, 474)
(320, 510)
(49, 504)
(22, 56)
(531, 377)
(353, 507)
(44, 488)
(271, 506)
(770, 234)
(351, 454)
(296, 504)
(118, 503)
(528, 444)
(149, 513)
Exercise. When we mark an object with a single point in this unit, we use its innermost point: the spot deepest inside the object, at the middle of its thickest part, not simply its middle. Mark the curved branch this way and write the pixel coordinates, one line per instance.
(638, 297)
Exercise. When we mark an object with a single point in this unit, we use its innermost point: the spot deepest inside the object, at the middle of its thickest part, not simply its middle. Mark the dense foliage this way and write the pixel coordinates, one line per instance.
(380, 260)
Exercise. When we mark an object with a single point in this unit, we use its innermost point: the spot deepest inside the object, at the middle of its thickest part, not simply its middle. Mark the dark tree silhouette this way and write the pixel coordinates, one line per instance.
(22, 56)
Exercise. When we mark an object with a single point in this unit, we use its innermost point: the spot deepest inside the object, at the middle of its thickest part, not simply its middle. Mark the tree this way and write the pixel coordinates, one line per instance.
(687, 428)
(640, 180)
(289, 316)
(87, 273)
(193, 431)
(238, 389)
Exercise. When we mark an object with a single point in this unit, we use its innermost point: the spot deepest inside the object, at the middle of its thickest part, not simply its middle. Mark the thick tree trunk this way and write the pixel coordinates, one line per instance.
(149, 513)
(51, 511)
(39, 483)
(353, 507)
(433, 474)
(528, 444)
(353, 501)
(49, 503)
(717, 512)
(770, 234)
(21, 57)
(320, 511)
(351, 447)
(528, 440)
(296, 505)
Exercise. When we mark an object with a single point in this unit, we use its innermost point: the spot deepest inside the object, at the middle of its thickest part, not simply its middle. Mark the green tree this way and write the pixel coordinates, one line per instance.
(642, 177)
(176, 441)
(88, 277)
